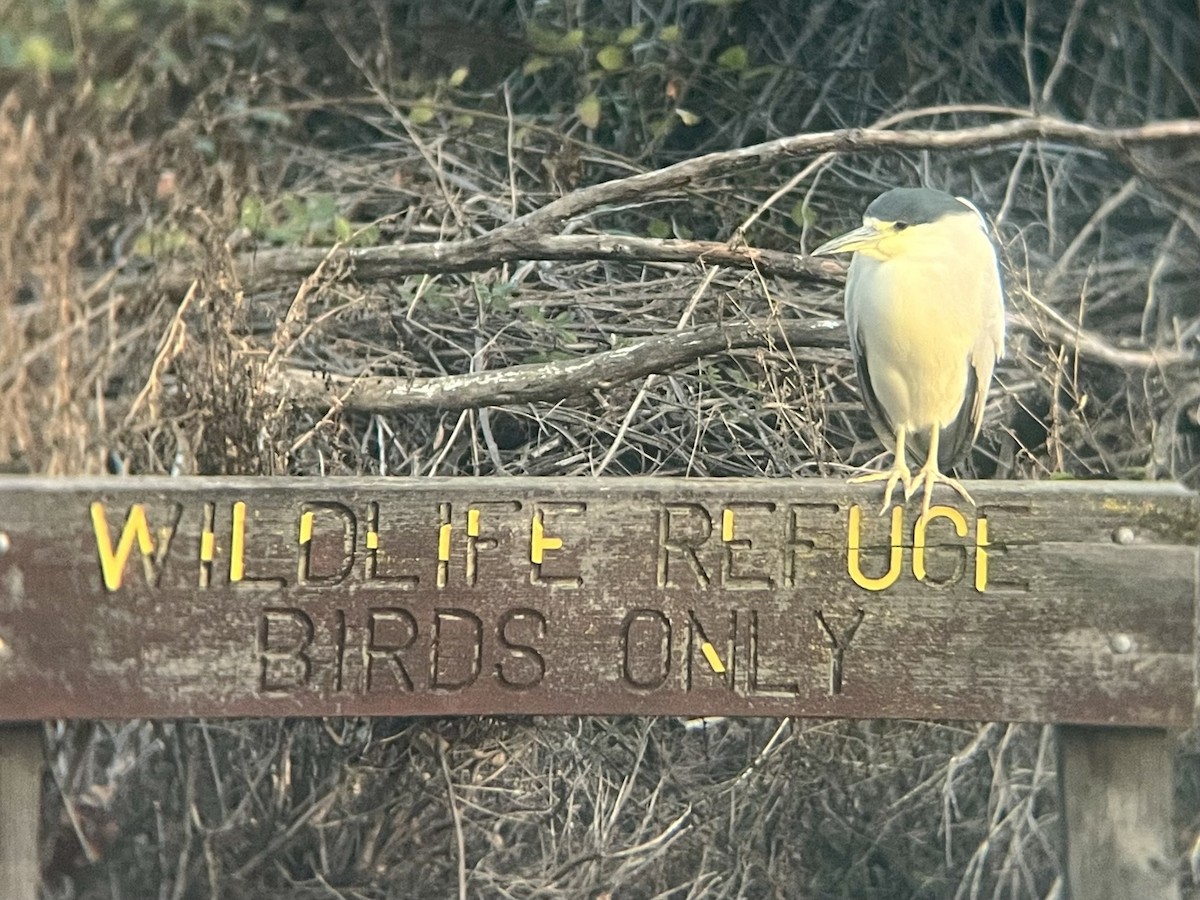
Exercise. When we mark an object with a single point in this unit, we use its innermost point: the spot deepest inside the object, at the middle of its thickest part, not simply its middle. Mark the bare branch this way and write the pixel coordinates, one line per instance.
(531, 237)
(560, 379)
(554, 380)
(857, 140)
(1050, 325)
(506, 244)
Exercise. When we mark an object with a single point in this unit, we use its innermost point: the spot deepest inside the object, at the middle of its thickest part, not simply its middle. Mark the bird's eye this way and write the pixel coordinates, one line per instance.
(900, 226)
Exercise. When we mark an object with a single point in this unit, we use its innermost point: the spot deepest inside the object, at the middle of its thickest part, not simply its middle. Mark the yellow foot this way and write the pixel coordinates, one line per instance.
(898, 474)
(927, 477)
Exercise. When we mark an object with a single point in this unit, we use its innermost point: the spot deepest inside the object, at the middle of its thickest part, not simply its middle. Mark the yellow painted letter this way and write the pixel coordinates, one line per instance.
(854, 542)
(981, 554)
(937, 512)
(539, 543)
(112, 563)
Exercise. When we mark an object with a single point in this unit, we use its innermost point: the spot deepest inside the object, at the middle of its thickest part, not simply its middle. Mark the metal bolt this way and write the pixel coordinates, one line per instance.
(5, 650)
(1123, 535)
(5, 542)
(1121, 643)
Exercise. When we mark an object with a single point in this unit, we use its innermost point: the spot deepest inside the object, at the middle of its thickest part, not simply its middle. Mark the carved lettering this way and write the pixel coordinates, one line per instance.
(960, 528)
(390, 631)
(445, 529)
(208, 541)
(645, 649)
(456, 654)
(740, 559)
(516, 632)
(838, 645)
(237, 553)
(285, 636)
(237, 542)
(311, 514)
(372, 557)
(702, 652)
(854, 544)
(540, 543)
(682, 529)
(136, 530)
(753, 684)
(987, 550)
(799, 552)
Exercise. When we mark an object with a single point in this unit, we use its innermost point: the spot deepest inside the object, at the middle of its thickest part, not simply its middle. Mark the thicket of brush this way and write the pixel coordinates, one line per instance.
(152, 151)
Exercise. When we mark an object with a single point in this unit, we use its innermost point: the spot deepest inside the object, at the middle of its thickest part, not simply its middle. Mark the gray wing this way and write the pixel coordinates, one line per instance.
(957, 438)
(884, 427)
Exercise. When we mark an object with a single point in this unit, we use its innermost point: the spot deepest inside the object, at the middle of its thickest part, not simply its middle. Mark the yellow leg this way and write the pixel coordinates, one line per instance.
(899, 473)
(929, 475)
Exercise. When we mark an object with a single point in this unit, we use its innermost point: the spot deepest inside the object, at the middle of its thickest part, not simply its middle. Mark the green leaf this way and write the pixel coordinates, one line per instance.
(458, 76)
(686, 116)
(760, 71)
(611, 58)
(629, 35)
(253, 214)
(37, 52)
(535, 64)
(734, 58)
(367, 237)
(342, 230)
(422, 112)
(670, 34)
(320, 210)
(659, 228)
(803, 215)
(588, 110)
(553, 43)
(271, 117)
(159, 242)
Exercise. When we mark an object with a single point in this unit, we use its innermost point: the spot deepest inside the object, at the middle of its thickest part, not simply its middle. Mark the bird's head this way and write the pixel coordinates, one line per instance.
(902, 220)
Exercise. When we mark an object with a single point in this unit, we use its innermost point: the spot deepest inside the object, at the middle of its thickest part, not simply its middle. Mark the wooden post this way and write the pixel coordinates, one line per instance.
(20, 803)
(1116, 801)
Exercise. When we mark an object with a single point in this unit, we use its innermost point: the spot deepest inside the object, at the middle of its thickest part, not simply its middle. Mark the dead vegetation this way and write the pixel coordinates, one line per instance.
(169, 207)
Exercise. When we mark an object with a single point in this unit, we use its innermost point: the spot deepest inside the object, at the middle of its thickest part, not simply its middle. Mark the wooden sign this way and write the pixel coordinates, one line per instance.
(155, 597)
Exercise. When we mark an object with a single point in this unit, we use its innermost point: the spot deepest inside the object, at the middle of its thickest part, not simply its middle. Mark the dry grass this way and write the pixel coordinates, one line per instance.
(99, 376)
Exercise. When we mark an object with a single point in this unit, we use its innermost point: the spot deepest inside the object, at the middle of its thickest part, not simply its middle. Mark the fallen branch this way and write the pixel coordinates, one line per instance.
(560, 379)
(506, 244)
(549, 381)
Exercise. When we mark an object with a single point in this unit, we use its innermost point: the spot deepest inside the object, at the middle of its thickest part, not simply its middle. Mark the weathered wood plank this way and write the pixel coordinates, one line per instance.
(1056, 602)
(1116, 800)
(20, 804)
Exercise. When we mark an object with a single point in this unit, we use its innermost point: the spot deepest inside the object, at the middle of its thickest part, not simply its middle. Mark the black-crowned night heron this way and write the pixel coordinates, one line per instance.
(925, 312)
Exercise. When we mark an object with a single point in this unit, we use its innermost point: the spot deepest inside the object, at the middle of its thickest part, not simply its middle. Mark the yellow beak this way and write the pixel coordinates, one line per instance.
(866, 236)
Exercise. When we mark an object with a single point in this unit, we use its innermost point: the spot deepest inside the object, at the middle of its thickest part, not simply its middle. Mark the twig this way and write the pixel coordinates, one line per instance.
(456, 815)
(680, 325)
(169, 347)
(1087, 343)
(1166, 435)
